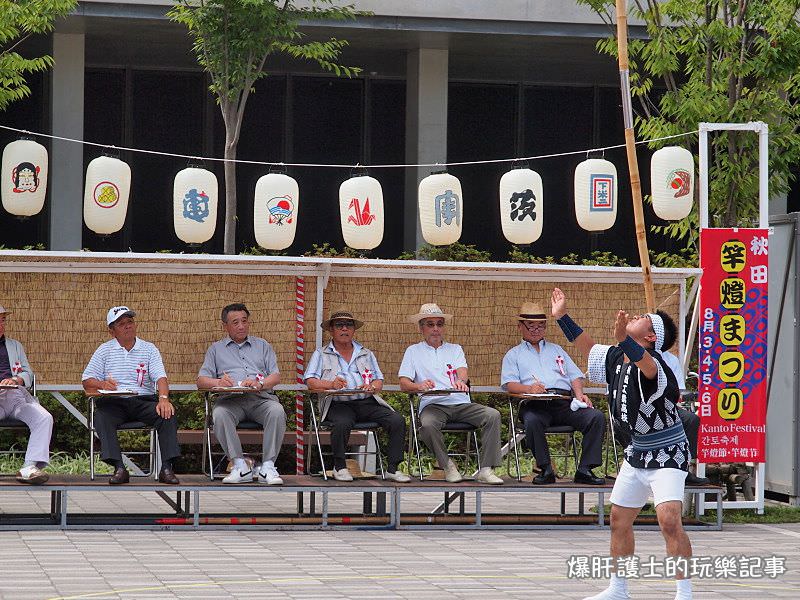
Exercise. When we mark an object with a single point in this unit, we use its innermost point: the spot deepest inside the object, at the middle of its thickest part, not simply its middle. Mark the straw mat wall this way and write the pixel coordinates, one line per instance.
(483, 315)
(60, 318)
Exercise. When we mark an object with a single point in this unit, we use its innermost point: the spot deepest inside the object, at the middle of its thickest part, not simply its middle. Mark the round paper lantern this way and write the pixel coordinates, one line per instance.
(195, 205)
(105, 196)
(521, 206)
(440, 209)
(24, 175)
(596, 194)
(361, 212)
(672, 182)
(275, 211)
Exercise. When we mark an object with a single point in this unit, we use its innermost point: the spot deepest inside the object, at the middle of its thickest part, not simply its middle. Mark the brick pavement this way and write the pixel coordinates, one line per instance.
(359, 564)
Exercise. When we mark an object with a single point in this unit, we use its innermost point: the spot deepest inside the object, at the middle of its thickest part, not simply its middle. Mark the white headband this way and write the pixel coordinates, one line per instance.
(658, 328)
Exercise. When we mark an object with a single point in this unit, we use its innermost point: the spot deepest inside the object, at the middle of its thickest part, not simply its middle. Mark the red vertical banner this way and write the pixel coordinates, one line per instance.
(733, 345)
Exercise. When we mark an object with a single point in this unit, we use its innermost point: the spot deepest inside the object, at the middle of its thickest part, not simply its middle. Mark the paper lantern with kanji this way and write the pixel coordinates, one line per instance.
(105, 195)
(596, 194)
(672, 182)
(521, 206)
(24, 174)
(195, 205)
(361, 212)
(275, 211)
(441, 209)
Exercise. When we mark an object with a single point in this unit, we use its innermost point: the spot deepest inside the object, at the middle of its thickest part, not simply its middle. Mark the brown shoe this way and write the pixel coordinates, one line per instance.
(167, 475)
(120, 476)
(32, 475)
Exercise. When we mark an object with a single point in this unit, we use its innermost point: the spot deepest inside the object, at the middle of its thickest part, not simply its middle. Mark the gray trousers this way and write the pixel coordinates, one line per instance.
(229, 411)
(435, 416)
(19, 404)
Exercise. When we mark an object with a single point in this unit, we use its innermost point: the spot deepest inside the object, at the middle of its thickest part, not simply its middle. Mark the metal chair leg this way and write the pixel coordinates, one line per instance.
(416, 439)
(512, 428)
(378, 451)
(315, 425)
(207, 441)
(91, 439)
(477, 449)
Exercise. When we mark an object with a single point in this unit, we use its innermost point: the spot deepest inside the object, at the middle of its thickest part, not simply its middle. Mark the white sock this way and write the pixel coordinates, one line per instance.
(683, 589)
(241, 465)
(29, 463)
(617, 590)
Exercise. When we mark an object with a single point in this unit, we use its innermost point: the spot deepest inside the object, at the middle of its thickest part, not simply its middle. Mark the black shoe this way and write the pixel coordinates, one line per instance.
(120, 476)
(167, 475)
(546, 476)
(692, 479)
(588, 478)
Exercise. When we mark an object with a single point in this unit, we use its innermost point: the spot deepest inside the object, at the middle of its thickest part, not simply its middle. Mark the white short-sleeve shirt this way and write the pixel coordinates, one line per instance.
(422, 361)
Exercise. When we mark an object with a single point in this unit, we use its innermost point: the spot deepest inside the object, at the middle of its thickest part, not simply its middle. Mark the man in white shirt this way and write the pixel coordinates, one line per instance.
(126, 362)
(435, 364)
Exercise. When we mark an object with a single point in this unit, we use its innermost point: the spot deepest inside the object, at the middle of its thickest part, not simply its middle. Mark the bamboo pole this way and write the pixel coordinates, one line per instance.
(630, 150)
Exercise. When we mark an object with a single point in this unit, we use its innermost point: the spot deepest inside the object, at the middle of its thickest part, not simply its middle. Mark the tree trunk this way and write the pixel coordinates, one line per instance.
(230, 191)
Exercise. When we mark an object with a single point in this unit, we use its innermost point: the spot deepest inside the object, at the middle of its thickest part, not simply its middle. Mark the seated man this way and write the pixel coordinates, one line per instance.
(344, 363)
(536, 366)
(690, 420)
(126, 362)
(17, 403)
(436, 364)
(240, 359)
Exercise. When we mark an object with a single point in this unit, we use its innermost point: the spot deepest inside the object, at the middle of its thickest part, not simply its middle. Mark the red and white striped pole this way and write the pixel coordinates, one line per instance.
(300, 357)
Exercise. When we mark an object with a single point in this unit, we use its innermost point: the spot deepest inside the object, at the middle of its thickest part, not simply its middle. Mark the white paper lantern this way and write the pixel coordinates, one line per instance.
(596, 194)
(672, 182)
(105, 195)
(441, 209)
(361, 212)
(195, 205)
(521, 206)
(24, 176)
(275, 211)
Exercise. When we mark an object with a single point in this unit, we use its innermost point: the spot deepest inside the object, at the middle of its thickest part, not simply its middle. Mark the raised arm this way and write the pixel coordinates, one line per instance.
(583, 341)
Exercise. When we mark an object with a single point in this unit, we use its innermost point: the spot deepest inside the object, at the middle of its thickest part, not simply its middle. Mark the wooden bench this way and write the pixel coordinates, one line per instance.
(248, 436)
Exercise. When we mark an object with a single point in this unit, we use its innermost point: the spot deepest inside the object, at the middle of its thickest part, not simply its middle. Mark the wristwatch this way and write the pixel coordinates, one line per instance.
(164, 396)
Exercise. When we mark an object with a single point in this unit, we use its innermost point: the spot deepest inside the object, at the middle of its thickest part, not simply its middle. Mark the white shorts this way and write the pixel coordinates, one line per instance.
(633, 486)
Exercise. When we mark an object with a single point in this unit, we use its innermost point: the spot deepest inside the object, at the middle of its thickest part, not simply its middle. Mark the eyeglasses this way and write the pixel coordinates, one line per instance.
(432, 324)
(532, 325)
(343, 324)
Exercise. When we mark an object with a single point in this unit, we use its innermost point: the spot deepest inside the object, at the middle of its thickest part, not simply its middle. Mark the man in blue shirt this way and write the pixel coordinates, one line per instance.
(536, 366)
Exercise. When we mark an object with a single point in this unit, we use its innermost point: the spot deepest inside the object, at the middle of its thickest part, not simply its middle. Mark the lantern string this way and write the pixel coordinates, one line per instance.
(342, 166)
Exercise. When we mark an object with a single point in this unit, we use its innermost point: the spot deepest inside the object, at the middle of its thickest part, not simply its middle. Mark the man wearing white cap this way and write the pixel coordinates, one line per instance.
(538, 366)
(126, 362)
(643, 394)
(17, 403)
(436, 364)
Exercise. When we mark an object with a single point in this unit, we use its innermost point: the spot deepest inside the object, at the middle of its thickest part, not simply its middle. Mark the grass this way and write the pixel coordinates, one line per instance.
(60, 463)
(772, 514)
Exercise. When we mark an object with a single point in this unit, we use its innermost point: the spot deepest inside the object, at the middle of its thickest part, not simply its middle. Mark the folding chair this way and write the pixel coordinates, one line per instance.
(370, 427)
(152, 453)
(470, 431)
(207, 452)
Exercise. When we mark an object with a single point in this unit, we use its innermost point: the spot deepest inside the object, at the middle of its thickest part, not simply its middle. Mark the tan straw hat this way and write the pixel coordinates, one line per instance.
(344, 315)
(427, 311)
(531, 311)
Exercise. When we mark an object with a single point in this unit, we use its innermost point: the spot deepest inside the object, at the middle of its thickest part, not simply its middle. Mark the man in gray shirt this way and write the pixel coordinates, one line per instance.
(240, 359)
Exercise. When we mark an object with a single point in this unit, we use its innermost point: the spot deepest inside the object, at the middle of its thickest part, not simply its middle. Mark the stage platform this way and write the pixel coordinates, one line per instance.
(309, 502)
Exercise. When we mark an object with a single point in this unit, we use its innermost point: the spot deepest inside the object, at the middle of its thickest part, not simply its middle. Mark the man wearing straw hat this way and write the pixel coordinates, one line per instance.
(17, 403)
(435, 364)
(537, 366)
(346, 364)
(240, 359)
(126, 362)
(643, 394)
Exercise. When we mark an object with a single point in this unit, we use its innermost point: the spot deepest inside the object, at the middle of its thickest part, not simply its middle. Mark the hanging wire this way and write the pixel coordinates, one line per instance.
(440, 166)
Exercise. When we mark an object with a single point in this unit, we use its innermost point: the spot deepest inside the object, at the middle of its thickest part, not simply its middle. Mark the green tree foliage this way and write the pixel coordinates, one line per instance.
(233, 40)
(20, 19)
(718, 61)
